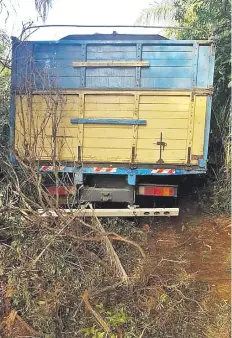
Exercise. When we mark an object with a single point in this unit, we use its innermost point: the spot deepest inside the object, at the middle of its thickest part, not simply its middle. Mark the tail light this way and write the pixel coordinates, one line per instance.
(150, 190)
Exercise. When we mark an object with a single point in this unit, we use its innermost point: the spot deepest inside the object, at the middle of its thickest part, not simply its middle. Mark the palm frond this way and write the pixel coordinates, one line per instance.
(157, 12)
(42, 7)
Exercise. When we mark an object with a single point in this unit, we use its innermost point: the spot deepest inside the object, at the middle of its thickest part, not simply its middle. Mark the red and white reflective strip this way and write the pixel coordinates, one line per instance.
(51, 168)
(105, 170)
(61, 191)
(163, 171)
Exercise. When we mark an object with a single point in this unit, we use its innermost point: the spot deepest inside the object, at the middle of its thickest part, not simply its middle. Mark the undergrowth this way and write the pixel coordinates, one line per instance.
(65, 283)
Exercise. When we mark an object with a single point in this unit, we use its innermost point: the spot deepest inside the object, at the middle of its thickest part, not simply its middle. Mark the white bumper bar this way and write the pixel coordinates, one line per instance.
(131, 212)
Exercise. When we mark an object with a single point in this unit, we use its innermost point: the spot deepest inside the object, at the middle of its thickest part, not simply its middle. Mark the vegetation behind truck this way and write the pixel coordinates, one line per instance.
(118, 119)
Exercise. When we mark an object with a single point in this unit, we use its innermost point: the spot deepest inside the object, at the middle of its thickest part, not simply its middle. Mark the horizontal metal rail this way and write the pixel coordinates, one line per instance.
(107, 26)
(130, 212)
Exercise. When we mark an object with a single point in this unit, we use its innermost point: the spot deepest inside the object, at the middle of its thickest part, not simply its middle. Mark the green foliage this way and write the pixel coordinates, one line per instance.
(115, 318)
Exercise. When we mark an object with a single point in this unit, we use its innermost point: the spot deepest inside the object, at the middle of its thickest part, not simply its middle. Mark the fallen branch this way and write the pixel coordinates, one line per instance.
(96, 315)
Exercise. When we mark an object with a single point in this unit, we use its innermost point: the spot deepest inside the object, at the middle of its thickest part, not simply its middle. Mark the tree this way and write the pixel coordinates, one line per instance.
(42, 7)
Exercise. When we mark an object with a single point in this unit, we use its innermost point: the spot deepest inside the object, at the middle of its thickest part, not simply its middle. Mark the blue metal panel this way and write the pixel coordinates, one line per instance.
(54, 69)
(12, 100)
(195, 64)
(110, 71)
(83, 69)
(174, 48)
(167, 72)
(108, 121)
(168, 83)
(211, 66)
(113, 56)
(110, 82)
(167, 56)
(170, 64)
(65, 82)
(207, 129)
(203, 67)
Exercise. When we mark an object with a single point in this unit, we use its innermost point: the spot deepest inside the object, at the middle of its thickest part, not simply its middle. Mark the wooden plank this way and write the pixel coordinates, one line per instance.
(106, 155)
(111, 64)
(163, 108)
(112, 97)
(144, 114)
(103, 132)
(169, 156)
(168, 134)
(102, 143)
(199, 125)
(162, 99)
(109, 114)
(150, 144)
(109, 106)
(163, 124)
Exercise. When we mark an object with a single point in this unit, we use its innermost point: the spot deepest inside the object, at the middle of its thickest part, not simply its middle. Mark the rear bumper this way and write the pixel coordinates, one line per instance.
(130, 212)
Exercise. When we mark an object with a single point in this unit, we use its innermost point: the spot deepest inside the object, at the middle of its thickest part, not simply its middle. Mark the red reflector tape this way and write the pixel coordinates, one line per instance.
(105, 170)
(157, 191)
(53, 190)
(51, 168)
(163, 171)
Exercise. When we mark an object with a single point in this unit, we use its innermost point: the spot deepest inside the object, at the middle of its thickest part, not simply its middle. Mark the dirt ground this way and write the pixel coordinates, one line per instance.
(198, 248)
(192, 247)
(201, 244)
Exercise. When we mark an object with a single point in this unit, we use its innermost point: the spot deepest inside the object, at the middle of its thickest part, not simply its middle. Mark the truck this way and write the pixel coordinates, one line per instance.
(119, 119)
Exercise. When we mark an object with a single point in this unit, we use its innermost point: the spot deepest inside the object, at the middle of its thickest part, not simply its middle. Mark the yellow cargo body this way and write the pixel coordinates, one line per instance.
(44, 128)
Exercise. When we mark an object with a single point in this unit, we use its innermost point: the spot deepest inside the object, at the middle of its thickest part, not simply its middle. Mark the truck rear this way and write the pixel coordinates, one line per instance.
(120, 119)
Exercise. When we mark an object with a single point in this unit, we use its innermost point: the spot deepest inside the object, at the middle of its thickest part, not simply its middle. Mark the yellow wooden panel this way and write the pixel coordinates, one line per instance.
(111, 114)
(163, 124)
(199, 125)
(106, 99)
(163, 107)
(112, 143)
(109, 106)
(118, 143)
(163, 114)
(110, 133)
(71, 130)
(168, 156)
(106, 155)
(168, 134)
(53, 102)
(151, 144)
(164, 99)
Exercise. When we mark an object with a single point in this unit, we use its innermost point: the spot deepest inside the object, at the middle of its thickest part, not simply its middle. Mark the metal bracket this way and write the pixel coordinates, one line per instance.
(162, 146)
